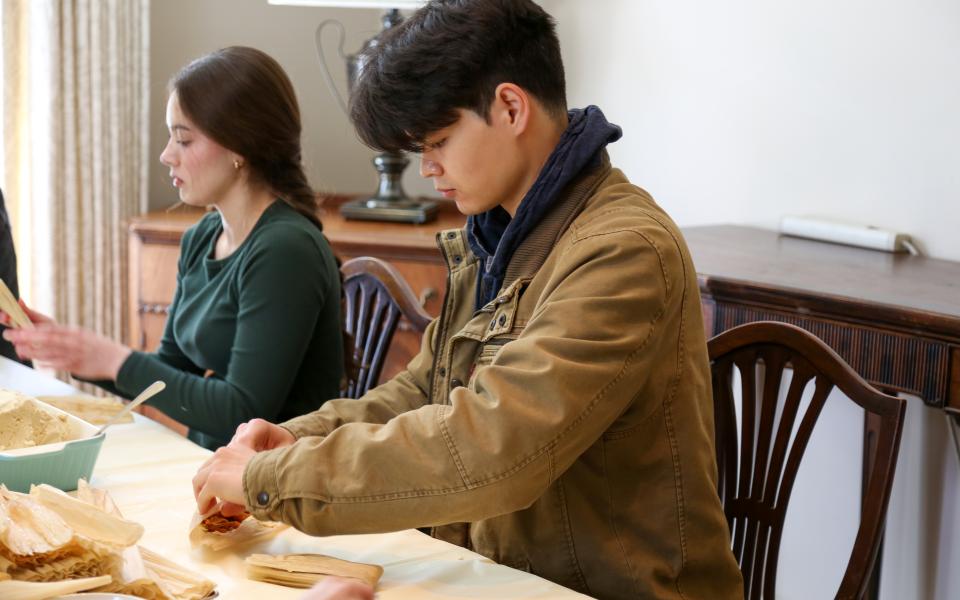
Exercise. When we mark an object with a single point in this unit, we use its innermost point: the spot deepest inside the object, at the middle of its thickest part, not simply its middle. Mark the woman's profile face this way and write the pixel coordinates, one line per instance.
(202, 170)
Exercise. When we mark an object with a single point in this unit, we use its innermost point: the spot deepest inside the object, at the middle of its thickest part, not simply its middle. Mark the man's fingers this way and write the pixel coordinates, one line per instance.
(231, 509)
(200, 479)
(206, 500)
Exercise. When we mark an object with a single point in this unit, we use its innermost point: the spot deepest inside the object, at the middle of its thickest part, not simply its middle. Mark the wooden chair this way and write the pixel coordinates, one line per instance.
(757, 473)
(375, 298)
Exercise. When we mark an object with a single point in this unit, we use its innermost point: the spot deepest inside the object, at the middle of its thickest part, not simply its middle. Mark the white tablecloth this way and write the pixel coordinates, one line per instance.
(147, 469)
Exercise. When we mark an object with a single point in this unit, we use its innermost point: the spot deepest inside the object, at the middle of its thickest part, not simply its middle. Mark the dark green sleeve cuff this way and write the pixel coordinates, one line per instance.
(126, 376)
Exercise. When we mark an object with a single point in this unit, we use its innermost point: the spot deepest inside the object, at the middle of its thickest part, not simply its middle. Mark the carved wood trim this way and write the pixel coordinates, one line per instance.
(907, 363)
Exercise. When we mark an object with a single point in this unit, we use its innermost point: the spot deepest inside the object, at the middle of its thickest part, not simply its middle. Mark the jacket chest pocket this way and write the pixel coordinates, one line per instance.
(475, 346)
(488, 354)
(503, 314)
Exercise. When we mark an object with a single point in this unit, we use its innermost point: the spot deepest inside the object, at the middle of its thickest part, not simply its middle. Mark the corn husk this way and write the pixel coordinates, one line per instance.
(9, 305)
(25, 590)
(304, 570)
(29, 529)
(176, 581)
(91, 409)
(88, 519)
(247, 531)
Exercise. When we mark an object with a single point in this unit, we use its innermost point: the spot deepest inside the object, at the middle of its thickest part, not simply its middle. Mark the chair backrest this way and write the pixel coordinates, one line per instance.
(757, 472)
(375, 298)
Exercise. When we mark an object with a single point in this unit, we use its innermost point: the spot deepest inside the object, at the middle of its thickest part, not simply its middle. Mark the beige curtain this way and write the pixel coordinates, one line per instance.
(75, 124)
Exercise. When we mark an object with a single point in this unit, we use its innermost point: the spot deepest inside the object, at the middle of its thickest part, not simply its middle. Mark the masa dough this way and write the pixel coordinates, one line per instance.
(24, 423)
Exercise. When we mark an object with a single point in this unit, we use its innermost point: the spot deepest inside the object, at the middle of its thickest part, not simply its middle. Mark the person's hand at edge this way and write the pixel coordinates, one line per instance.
(339, 588)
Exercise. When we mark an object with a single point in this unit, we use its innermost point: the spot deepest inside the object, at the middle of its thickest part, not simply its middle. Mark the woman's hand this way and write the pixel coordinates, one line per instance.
(79, 351)
(260, 435)
(35, 317)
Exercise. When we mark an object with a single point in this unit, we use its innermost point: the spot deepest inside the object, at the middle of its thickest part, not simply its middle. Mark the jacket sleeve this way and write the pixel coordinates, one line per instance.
(545, 399)
(282, 288)
(406, 391)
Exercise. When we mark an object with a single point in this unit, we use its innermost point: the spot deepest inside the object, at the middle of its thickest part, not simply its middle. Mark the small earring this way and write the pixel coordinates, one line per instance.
(237, 164)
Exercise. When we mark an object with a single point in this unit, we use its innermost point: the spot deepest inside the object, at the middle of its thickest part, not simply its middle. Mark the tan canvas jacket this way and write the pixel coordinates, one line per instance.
(566, 426)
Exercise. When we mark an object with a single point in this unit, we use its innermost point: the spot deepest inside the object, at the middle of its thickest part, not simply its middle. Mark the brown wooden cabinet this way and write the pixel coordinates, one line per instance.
(155, 247)
(894, 317)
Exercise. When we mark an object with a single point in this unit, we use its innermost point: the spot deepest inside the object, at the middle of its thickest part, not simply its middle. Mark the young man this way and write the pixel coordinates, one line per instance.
(558, 418)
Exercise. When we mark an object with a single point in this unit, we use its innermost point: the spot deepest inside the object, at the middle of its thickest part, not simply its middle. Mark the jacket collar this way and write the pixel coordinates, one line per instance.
(494, 237)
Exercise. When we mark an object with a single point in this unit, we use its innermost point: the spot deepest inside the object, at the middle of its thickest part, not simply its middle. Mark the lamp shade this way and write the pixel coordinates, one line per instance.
(409, 4)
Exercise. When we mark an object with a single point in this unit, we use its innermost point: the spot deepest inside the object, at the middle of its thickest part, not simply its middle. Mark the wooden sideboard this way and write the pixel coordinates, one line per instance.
(894, 317)
(154, 240)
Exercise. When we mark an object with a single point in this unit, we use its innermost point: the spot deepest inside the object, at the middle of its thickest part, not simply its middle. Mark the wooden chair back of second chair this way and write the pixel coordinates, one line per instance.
(376, 298)
(758, 458)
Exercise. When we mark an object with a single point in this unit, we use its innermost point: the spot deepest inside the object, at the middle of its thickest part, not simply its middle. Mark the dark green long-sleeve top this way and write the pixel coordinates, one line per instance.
(264, 320)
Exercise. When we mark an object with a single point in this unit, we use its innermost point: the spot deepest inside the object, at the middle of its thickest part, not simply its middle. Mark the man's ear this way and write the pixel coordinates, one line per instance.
(511, 107)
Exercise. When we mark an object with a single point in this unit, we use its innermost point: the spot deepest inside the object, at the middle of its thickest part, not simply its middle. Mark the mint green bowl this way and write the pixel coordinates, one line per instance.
(60, 464)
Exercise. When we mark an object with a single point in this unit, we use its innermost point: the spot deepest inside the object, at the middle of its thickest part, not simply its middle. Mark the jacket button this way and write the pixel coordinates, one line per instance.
(442, 371)
(263, 498)
(451, 235)
(457, 259)
(455, 384)
(502, 319)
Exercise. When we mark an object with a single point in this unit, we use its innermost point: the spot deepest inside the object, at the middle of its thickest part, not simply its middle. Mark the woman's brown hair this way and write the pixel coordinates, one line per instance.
(242, 99)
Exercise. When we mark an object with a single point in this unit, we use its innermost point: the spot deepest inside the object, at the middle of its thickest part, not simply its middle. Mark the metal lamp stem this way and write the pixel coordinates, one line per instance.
(390, 203)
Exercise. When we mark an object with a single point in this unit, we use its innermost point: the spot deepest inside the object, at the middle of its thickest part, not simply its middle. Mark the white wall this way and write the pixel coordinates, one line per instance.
(741, 111)
(733, 112)
(182, 30)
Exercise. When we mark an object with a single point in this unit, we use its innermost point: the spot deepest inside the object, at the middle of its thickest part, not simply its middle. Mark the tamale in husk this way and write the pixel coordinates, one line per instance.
(217, 531)
(304, 570)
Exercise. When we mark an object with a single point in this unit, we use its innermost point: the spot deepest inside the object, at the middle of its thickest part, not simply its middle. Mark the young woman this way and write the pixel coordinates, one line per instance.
(254, 329)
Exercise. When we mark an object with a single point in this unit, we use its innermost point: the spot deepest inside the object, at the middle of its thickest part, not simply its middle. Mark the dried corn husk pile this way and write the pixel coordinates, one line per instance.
(304, 570)
(47, 536)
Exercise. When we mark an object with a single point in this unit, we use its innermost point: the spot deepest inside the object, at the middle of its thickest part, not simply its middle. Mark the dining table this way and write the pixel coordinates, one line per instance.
(147, 470)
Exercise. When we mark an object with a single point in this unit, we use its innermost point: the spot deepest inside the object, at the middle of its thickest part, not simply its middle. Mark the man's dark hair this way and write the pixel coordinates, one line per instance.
(451, 55)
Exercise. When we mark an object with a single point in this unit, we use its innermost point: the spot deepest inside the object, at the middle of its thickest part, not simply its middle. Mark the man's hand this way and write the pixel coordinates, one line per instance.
(220, 479)
(337, 588)
(260, 435)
